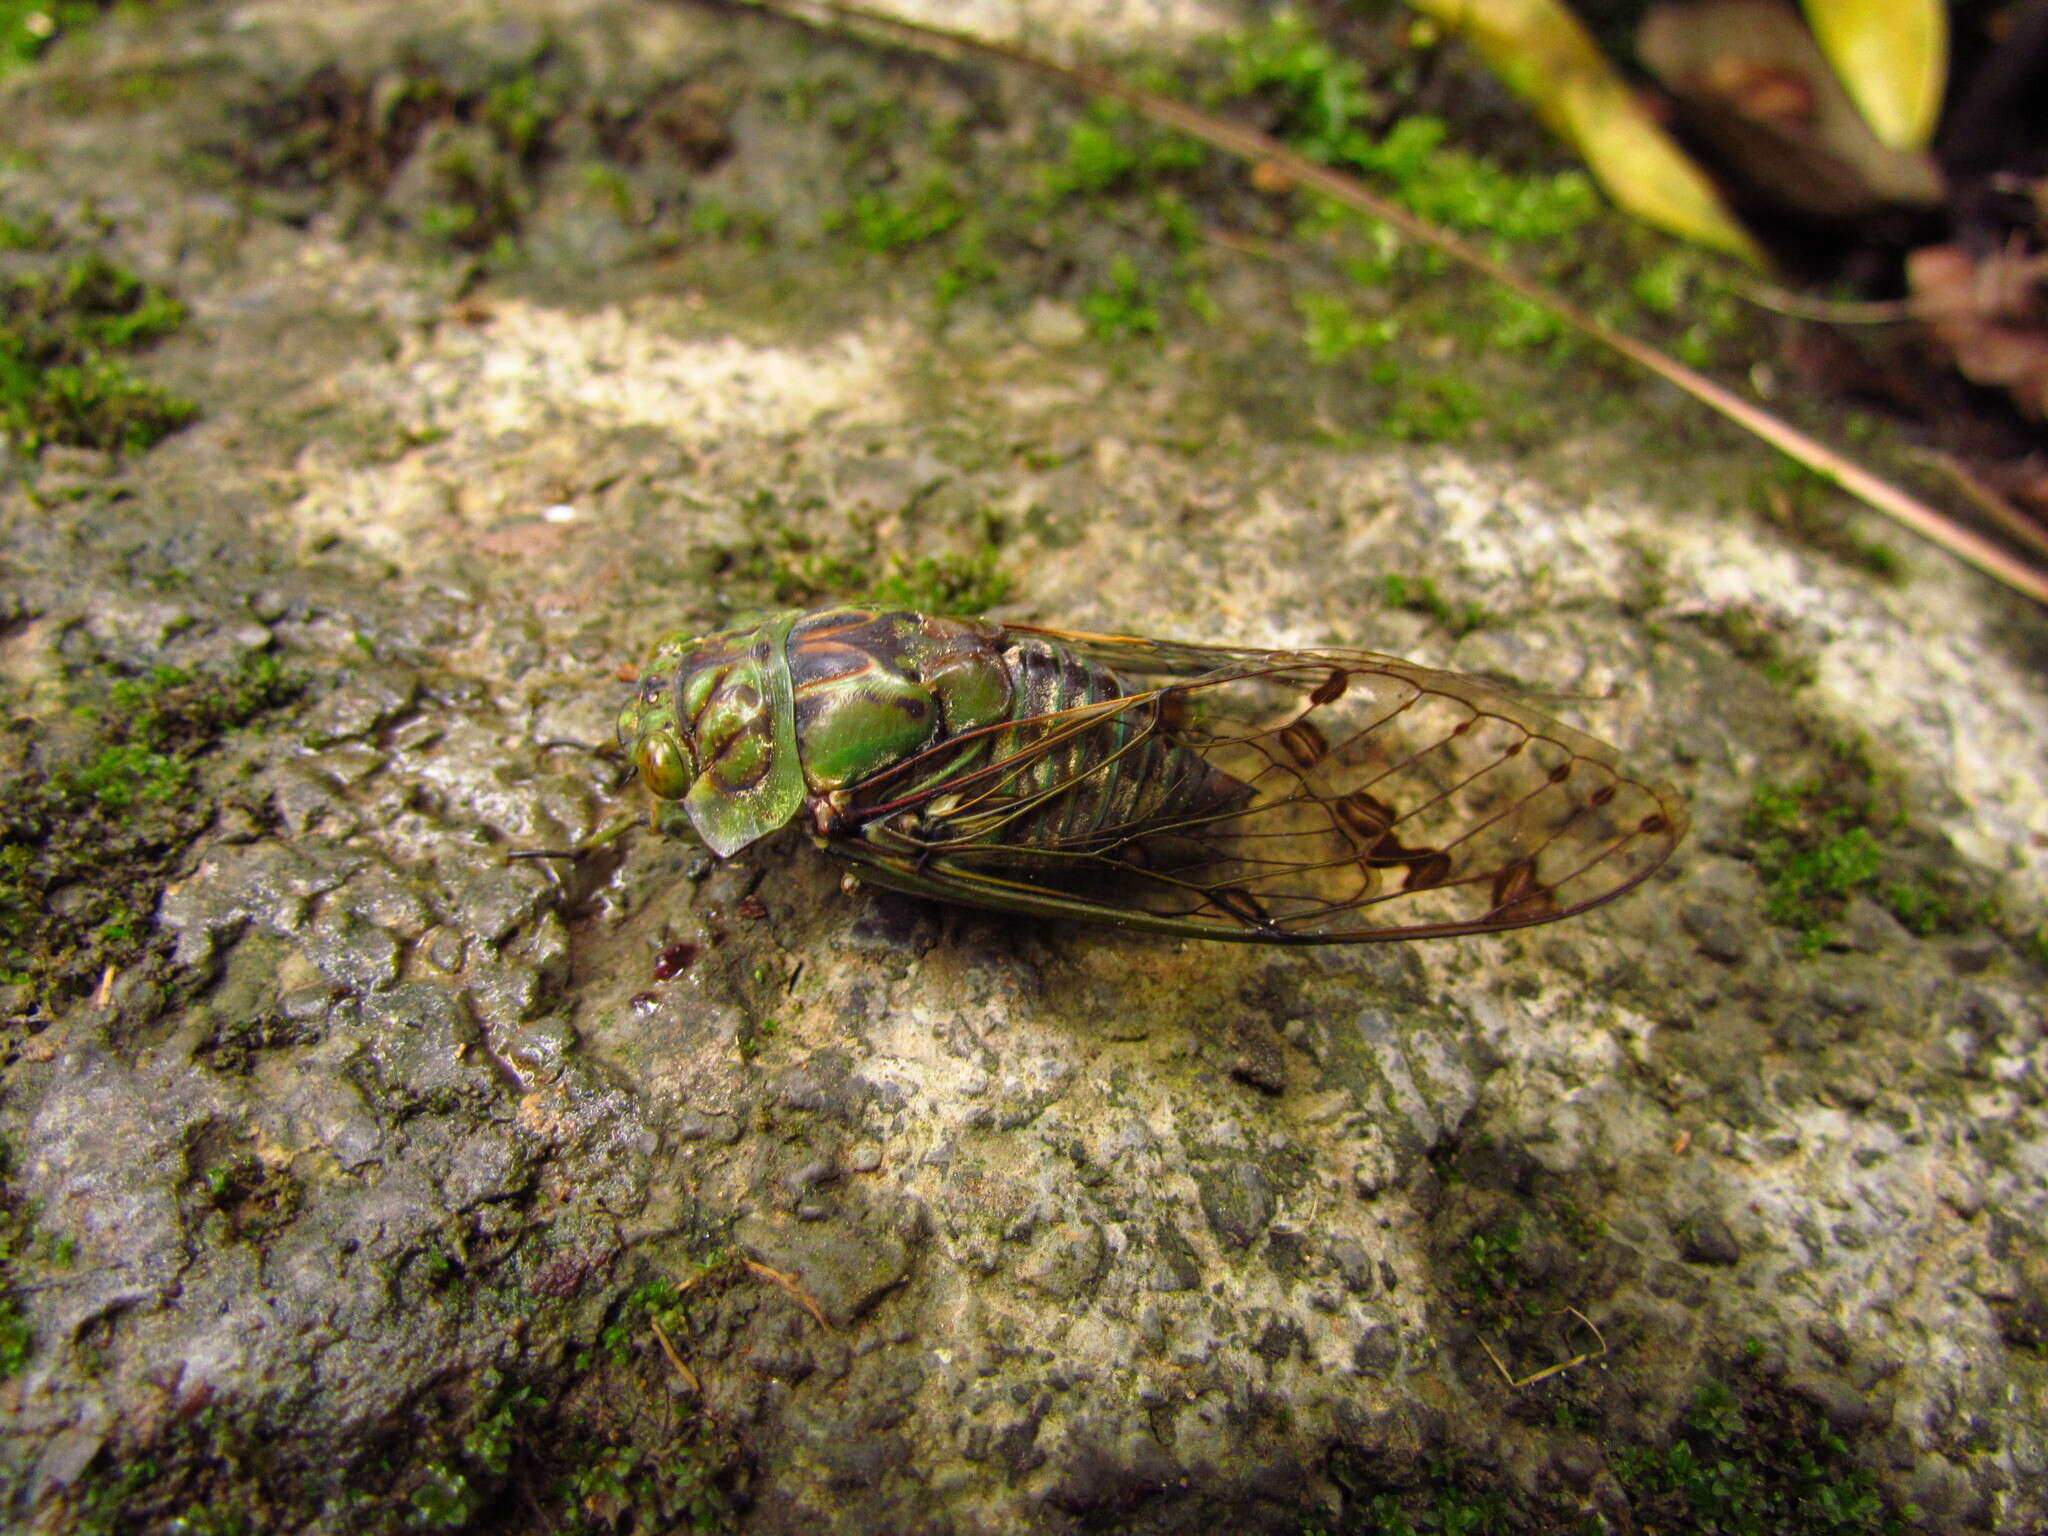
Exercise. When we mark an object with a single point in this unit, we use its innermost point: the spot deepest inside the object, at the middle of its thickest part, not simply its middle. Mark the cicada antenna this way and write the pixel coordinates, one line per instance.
(609, 753)
(613, 758)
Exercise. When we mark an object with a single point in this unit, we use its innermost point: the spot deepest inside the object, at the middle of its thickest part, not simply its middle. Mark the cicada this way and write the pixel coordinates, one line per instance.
(1285, 797)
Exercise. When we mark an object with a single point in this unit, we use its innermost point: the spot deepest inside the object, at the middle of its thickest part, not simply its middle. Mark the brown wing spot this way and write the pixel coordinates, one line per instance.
(1604, 795)
(1331, 688)
(1656, 824)
(1173, 711)
(1235, 901)
(1561, 772)
(1426, 867)
(1519, 895)
(1370, 821)
(1364, 816)
(1305, 744)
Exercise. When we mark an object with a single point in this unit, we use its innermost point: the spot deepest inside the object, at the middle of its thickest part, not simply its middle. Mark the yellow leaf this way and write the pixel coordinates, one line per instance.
(1643, 170)
(1540, 51)
(1892, 58)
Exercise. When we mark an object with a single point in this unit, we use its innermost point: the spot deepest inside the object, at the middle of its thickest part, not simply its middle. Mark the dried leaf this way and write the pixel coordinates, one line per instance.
(1892, 58)
(1539, 49)
(1991, 314)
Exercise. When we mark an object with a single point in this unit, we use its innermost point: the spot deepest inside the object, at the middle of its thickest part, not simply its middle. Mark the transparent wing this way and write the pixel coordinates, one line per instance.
(1302, 797)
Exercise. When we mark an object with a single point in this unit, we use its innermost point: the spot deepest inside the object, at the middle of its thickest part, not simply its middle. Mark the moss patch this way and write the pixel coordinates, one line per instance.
(608, 1439)
(90, 828)
(1817, 841)
(1744, 1461)
(1757, 641)
(460, 163)
(18, 1244)
(29, 27)
(1419, 594)
(1760, 1465)
(784, 565)
(63, 337)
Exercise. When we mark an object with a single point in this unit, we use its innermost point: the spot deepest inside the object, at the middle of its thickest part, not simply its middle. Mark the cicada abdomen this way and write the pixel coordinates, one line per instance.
(1309, 797)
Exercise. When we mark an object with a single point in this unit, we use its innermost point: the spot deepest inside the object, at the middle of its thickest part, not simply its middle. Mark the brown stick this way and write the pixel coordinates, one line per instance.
(675, 1359)
(789, 1284)
(1517, 1383)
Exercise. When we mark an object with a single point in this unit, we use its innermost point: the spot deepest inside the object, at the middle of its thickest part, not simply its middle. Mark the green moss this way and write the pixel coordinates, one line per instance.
(1334, 329)
(443, 1499)
(1315, 97)
(333, 128)
(788, 568)
(675, 1486)
(253, 1200)
(583, 1453)
(62, 379)
(886, 221)
(1754, 1464)
(1435, 1494)
(969, 265)
(1821, 839)
(1419, 594)
(1111, 151)
(754, 1035)
(1322, 103)
(1098, 158)
(38, 232)
(1759, 643)
(104, 820)
(520, 112)
(18, 1242)
(1430, 407)
(946, 583)
(1491, 1280)
(1682, 287)
(121, 777)
(29, 27)
(1925, 908)
(17, 1338)
(1122, 308)
(1767, 1467)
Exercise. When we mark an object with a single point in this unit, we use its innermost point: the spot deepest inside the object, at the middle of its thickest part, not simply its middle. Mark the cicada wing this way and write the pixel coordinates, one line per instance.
(1315, 797)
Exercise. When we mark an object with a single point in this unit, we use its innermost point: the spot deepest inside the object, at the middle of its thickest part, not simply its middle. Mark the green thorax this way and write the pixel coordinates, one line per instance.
(745, 725)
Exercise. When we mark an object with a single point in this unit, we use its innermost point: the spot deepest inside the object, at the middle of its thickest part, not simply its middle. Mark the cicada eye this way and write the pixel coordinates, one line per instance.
(665, 765)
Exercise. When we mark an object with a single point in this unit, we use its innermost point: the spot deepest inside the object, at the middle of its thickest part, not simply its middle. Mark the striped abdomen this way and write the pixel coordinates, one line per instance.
(1087, 780)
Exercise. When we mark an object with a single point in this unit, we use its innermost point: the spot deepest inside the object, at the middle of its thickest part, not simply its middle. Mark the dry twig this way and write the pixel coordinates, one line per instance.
(1549, 1370)
(789, 1284)
(674, 1359)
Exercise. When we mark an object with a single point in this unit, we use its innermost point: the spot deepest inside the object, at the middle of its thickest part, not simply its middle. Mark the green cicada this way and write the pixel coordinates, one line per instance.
(1288, 797)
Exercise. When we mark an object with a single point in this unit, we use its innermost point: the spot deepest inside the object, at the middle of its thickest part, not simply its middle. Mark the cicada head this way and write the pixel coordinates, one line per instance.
(714, 726)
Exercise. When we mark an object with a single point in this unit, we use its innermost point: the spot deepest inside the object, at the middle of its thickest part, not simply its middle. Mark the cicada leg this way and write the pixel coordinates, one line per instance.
(596, 842)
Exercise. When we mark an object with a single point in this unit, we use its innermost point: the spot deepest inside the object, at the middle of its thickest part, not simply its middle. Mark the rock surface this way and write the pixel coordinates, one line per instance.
(672, 1192)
